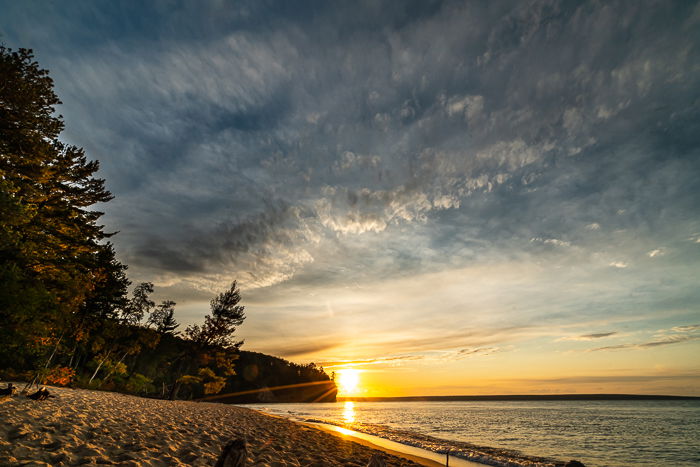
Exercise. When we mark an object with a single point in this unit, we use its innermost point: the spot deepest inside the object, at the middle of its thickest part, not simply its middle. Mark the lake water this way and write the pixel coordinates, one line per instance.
(526, 433)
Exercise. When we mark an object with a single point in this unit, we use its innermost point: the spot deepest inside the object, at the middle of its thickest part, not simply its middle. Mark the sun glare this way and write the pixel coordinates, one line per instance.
(348, 381)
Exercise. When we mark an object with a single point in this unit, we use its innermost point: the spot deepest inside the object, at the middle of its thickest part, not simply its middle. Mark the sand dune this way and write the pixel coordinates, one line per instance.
(91, 427)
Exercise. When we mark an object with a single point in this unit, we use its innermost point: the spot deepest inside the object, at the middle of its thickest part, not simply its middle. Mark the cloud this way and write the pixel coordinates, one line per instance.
(675, 335)
(489, 165)
(291, 351)
(388, 360)
(589, 337)
(478, 351)
(550, 241)
(368, 142)
(634, 378)
(686, 328)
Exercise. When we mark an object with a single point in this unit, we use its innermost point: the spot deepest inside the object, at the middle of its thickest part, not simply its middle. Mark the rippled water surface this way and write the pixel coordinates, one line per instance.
(598, 433)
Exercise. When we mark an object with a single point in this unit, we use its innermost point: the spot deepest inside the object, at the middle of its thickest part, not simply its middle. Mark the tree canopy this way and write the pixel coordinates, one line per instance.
(220, 325)
(53, 256)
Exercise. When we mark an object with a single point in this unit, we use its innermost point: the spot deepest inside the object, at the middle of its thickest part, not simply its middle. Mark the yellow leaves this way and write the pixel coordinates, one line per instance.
(206, 373)
(189, 379)
(117, 368)
(214, 387)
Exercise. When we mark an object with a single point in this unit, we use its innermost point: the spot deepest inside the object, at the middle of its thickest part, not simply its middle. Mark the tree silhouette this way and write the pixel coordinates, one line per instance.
(218, 328)
(162, 318)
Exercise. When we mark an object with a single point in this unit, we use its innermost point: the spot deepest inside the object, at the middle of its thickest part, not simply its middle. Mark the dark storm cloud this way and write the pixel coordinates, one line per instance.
(272, 143)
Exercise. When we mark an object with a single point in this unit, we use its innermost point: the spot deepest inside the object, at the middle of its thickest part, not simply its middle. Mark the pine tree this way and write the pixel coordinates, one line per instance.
(50, 241)
(218, 328)
(162, 318)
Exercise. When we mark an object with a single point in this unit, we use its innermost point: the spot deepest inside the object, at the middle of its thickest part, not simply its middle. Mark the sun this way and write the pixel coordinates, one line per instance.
(348, 380)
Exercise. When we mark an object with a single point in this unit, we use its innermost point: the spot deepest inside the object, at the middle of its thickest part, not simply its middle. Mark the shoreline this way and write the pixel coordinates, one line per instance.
(422, 456)
(415, 454)
(462, 454)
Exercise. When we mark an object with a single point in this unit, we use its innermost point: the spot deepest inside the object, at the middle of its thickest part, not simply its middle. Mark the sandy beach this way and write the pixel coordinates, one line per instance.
(80, 427)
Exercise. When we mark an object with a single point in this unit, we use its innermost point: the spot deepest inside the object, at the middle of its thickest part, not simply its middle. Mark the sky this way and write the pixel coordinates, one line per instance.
(447, 197)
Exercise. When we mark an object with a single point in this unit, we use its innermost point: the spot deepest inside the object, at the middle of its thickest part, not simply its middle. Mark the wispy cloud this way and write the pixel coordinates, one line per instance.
(359, 363)
(686, 328)
(675, 335)
(479, 351)
(656, 252)
(403, 178)
(588, 337)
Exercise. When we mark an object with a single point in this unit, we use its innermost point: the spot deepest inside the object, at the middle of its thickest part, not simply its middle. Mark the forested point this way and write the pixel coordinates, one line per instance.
(67, 316)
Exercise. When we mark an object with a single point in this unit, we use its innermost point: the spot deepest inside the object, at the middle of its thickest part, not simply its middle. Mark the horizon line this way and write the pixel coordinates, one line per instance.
(515, 397)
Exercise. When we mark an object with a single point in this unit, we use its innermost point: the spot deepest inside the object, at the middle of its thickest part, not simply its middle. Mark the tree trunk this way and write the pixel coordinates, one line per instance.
(72, 355)
(99, 366)
(174, 390)
(55, 347)
(113, 369)
(178, 373)
(132, 367)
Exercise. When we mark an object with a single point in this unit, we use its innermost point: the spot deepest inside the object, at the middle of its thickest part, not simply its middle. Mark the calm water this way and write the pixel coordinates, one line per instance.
(598, 433)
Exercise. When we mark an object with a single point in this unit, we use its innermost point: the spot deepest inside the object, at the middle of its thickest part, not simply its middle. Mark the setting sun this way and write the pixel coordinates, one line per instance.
(348, 381)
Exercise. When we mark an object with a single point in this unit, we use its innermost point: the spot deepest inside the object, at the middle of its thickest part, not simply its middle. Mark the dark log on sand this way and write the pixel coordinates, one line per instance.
(233, 455)
(10, 390)
(41, 395)
(376, 461)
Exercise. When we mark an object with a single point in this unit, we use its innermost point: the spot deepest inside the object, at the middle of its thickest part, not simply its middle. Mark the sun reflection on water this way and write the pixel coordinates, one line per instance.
(349, 412)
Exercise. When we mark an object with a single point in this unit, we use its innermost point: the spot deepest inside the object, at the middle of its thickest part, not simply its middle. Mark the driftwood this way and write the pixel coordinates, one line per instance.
(41, 395)
(233, 455)
(376, 461)
(10, 390)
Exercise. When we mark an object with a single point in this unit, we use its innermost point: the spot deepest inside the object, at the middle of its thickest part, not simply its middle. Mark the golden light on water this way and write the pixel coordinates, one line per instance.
(348, 381)
(349, 412)
(342, 430)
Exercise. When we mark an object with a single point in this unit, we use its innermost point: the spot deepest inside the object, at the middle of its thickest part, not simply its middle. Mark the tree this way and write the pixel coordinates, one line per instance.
(218, 328)
(139, 305)
(213, 343)
(162, 318)
(50, 237)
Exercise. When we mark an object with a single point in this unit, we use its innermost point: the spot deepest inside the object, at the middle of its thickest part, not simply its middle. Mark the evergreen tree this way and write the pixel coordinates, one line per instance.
(50, 240)
(140, 304)
(162, 318)
(218, 328)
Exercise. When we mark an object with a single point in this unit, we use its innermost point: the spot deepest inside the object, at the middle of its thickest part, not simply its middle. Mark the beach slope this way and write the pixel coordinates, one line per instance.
(80, 427)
